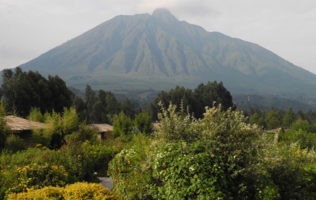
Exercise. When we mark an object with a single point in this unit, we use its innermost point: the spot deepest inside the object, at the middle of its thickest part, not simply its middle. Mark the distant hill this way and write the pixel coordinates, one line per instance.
(157, 51)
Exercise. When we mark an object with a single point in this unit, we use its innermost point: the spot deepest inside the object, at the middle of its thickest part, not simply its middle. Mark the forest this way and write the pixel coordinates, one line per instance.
(183, 144)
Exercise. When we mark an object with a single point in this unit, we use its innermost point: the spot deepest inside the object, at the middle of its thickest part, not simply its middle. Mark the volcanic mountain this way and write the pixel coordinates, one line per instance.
(157, 51)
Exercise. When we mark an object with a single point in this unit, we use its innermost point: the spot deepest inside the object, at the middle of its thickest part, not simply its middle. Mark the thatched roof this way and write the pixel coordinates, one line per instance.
(102, 128)
(15, 123)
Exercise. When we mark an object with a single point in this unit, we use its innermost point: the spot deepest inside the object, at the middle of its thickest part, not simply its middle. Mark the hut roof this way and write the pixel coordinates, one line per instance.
(101, 127)
(15, 123)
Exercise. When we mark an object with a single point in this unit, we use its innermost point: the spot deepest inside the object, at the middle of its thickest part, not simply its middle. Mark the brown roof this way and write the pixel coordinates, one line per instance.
(102, 127)
(15, 123)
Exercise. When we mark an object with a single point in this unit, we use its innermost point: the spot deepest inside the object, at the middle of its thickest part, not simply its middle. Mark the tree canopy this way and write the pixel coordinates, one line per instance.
(22, 91)
(195, 101)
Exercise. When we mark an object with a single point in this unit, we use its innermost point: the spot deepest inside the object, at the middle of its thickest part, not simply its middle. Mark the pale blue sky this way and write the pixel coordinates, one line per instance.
(286, 27)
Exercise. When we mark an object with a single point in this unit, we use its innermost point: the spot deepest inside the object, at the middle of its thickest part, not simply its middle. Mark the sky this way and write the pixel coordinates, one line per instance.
(286, 27)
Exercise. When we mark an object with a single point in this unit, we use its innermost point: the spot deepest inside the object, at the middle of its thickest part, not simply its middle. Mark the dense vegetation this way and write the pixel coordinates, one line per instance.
(23, 90)
(219, 156)
(195, 101)
(201, 147)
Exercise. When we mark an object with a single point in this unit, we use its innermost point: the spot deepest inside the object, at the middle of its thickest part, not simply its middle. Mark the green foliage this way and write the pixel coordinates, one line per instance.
(130, 170)
(97, 106)
(79, 191)
(25, 90)
(99, 155)
(143, 123)
(36, 167)
(288, 118)
(36, 115)
(37, 176)
(81, 135)
(273, 119)
(122, 125)
(14, 143)
(300, 124)
(60, 125)
(220, 156)
(3, 128)
(257, 118)
(69, 121)
(173, 125)
(185, 171)
(49, 192)
(287, 169)
(205, 95)
(302, 138)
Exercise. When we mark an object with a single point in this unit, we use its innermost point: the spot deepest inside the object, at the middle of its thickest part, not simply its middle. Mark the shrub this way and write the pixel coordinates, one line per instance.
(38, 176)
(36, 115)
(14, 143)
(185, 171)
(50, 192)
(83, 191)
(78, 191)
(143, 123)
(130, 170)
(122, 125)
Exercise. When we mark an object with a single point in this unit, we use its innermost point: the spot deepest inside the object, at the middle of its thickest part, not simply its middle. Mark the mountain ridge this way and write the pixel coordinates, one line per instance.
(157, 51)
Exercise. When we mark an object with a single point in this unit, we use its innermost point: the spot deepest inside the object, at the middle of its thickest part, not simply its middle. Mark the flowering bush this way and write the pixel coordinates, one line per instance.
(37, 176)
(78, 191)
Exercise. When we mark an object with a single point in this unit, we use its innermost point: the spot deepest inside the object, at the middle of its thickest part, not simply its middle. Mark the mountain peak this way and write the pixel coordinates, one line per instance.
(159, 51)
(164, 14)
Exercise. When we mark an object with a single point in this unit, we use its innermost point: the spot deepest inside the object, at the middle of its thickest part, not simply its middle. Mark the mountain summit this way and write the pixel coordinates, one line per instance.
(158, 51)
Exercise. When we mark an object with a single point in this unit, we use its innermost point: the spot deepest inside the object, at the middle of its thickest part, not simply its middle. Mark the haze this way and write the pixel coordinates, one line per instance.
(30, 28)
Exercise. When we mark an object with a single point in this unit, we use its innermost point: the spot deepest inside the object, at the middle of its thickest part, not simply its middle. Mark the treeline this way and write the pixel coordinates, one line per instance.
(193, 152)
(274, 118)
(22, 91)
(195, 101)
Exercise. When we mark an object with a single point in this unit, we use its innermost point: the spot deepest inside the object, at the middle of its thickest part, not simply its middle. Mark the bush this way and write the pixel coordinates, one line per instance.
(122, 125)
(143, 123)
(83, 191)
(37, 176)
(130, 170)
(185, 171)
(78, 191)
(53, 193)
(14, 143)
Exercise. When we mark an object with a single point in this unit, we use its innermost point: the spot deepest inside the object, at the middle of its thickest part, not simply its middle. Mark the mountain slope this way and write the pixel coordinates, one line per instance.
(158, 51)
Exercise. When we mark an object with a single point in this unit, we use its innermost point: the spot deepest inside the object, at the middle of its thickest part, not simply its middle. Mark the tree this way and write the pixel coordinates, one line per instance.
(205, 95)
(273, 119)
(211, 94)
(143, 123)
(288, 118)
(22, 91)
(3, 128)
(122, 125)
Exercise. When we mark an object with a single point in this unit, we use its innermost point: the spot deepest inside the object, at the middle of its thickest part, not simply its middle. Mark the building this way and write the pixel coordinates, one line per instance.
(20, 125)
(105, 130)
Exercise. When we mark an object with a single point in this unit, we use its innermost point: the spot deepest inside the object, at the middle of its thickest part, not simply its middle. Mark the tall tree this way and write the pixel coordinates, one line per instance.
(205, 95)
(23, 90)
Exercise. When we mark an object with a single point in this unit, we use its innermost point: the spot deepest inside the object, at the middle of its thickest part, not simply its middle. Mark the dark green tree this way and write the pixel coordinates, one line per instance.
(211, 94)
(22, 91)
(143, 123)
(273, 119)
(3, 128)
(122, 125)
(288, 118)
(205, 95)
